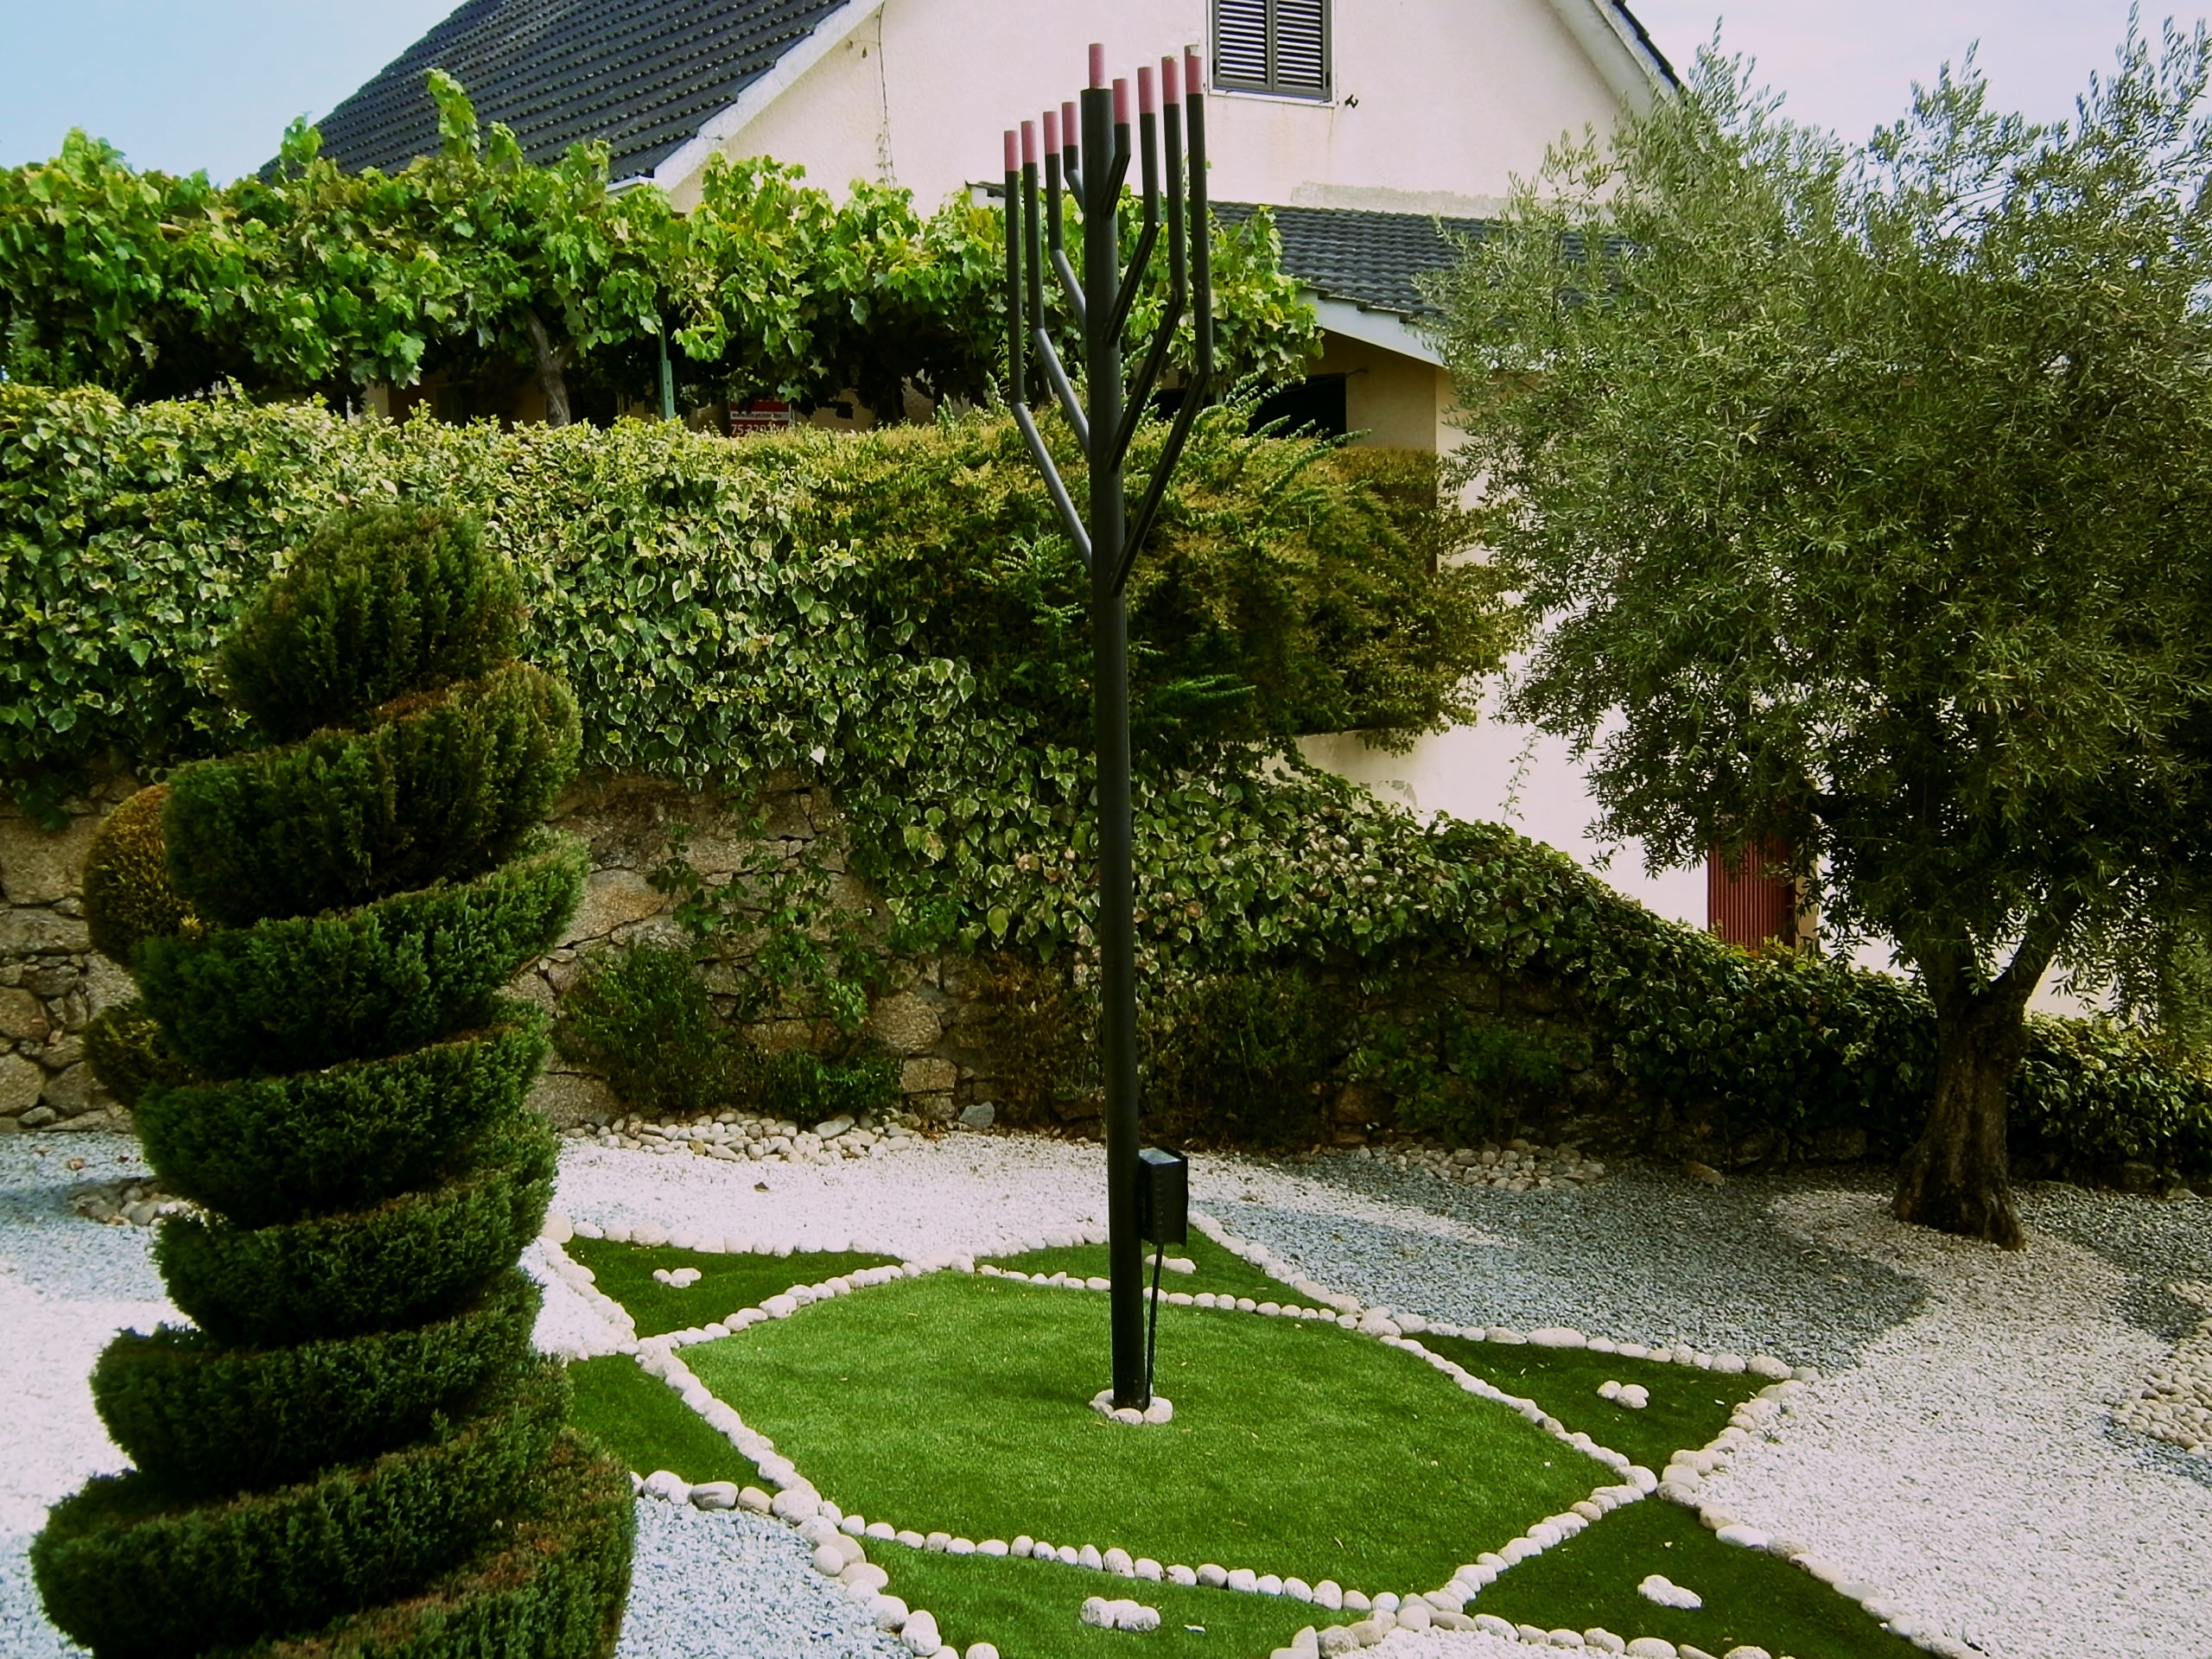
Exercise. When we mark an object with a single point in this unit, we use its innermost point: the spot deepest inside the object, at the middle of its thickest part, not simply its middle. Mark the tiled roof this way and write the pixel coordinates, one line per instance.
(642, 76)
(1369, 259)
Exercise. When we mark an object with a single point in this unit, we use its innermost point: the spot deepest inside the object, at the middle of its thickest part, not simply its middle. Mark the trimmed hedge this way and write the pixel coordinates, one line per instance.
(201, 1416)
(201, 1575)
(128, 1053)
(293, 993)
(264, 1150)
(413, 1257)
(377, 603)
(444, 788)
(552, 1585)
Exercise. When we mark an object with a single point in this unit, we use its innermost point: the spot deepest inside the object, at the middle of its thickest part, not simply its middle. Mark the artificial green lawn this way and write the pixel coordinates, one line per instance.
(726, 1283)
(1688, 1405)
(1220, 1271)
(1028, 1610)
(959, 1403)
(648, 1425)
(1751, 1597)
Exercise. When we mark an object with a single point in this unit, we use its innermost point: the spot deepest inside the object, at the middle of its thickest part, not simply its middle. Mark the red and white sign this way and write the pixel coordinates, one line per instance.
(760, 415)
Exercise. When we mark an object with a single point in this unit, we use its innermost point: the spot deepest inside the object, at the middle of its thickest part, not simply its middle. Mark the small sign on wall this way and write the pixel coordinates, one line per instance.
(760, 414)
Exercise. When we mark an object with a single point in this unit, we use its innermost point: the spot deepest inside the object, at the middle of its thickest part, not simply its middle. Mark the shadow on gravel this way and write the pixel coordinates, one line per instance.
(59, 1253)
(1642, 1257)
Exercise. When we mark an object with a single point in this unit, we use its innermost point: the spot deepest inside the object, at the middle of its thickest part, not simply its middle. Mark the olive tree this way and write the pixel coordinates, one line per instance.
(1864, 493)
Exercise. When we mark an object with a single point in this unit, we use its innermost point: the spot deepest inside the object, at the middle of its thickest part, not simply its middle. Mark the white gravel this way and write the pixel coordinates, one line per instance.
(1966, 1465)
(1959, 1454)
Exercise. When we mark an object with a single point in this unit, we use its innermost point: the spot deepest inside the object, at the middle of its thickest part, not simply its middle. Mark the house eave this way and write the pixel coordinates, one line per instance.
(1386, 329)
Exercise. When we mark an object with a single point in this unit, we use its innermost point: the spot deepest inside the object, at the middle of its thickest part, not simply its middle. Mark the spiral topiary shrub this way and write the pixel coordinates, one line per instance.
(354, 1451)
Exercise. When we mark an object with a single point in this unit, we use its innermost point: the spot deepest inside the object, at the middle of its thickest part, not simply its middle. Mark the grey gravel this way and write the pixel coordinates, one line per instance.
(24, 1633)
(77, 1261)
(734, 1586)
(1645, 1257)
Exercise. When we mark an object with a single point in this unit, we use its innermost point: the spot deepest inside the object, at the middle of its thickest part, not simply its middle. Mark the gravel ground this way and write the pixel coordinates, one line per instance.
(1957, 1452)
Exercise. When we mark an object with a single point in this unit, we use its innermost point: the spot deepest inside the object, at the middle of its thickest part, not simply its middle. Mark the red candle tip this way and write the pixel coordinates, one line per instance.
(1029, 144)
(1098, 64)
(1194, 71)
(1052, 132)
(1071, 128)
(1146, 103)
(1013, 151)
(1170, 81)
(1120, 103)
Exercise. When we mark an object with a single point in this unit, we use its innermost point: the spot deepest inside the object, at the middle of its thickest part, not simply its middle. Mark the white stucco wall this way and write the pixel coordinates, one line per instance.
(1436, 101)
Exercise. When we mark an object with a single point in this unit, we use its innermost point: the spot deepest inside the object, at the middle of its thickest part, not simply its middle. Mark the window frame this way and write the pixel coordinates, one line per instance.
(1272, 86)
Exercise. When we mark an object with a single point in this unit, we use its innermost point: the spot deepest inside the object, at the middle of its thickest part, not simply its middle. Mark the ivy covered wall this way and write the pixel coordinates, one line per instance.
(893, 621)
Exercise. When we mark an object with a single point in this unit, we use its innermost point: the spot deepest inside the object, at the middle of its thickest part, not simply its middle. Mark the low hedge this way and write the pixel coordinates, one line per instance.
(293, 994)
(413, 1257)
(286, 1561)
(446, 786)
(264, 1150)
(198, 1416)
(552, 1587)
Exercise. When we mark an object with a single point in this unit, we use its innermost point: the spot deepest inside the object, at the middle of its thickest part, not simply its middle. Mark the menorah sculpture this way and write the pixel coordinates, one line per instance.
(1104, 419)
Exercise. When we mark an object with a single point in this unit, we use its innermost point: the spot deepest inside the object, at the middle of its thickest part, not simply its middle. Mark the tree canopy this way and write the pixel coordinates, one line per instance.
(310, 278)
(1865, 493)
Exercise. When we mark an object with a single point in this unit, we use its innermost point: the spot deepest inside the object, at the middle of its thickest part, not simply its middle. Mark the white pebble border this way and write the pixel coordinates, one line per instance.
(2175, 1405)
(840, 1555)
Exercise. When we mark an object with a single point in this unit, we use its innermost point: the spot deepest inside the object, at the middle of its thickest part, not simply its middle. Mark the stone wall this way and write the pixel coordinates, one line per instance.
(929, 1012)
(52, 982)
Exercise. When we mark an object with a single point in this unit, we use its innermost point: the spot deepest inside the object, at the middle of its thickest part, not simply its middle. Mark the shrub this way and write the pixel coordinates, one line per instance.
(127, 894)
(127, 1052)
(807, 1087)
(271, 1149)
(639, 1016)
(445, 788)
(299, 992)
(200, 1415)
(351, 1440)
(394, 599)
(1247, 1055)
(205, 1575)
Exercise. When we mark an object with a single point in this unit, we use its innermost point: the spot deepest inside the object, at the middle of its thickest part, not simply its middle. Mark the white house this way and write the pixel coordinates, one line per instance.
(1362, 123)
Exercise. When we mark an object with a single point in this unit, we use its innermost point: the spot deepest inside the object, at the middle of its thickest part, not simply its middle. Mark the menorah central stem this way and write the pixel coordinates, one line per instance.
(1110, 633)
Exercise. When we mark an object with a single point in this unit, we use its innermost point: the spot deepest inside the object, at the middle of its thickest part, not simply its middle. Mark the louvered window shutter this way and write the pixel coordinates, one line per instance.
(1240, 42)
(1272, 45)
(1301, 47)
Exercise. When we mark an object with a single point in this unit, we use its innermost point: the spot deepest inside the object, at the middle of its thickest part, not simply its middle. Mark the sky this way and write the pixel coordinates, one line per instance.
(182, 85)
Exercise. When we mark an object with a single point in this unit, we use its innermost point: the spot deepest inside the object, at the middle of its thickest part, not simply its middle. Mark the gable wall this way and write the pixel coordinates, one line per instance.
(1454, 95)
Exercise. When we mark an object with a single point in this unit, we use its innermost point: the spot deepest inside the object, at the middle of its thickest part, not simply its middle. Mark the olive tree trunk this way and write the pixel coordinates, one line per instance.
(1957, 1176)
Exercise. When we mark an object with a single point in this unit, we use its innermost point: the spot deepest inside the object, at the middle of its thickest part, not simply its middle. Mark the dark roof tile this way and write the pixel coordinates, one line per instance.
(1369, 259)
(641, 76)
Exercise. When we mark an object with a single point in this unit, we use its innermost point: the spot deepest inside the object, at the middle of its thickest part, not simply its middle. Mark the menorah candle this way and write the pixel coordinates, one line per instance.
(1098, 64)
(1051, 133)
(1193, 72)
(1170, 91)
(1145, 104)
(1071, 126)
(1013, 151)
(1120, 102)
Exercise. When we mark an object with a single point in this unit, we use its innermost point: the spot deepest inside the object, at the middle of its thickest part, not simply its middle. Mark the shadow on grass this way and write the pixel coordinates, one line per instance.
(726, 1283)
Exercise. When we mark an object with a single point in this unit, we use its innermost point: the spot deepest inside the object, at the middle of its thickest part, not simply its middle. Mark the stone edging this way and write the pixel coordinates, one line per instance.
(840, 1554)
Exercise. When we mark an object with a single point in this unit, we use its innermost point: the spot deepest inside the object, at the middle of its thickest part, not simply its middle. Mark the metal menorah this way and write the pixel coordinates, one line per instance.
(1104, 417)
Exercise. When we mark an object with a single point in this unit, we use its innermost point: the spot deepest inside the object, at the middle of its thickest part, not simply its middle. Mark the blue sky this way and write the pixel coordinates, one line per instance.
(210, 84)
